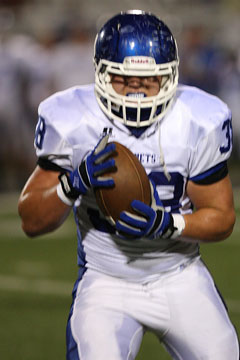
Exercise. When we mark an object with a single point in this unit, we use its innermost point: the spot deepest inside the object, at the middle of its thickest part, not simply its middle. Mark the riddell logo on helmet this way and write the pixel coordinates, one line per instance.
(139, 61)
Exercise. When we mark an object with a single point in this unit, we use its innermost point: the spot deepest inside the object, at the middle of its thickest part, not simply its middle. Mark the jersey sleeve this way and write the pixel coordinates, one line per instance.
(212, 151)
(50, 144)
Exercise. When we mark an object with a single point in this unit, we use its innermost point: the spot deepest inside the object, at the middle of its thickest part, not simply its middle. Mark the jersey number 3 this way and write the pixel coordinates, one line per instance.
(227, 126)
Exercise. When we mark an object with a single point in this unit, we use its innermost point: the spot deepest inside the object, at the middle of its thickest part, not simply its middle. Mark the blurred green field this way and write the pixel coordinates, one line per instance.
(36, 278)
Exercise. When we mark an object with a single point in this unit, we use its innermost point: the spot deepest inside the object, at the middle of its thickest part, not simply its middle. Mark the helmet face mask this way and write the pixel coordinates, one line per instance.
(135, 45)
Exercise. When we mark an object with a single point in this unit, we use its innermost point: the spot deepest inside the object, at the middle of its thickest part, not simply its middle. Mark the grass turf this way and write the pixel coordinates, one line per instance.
(36, 277)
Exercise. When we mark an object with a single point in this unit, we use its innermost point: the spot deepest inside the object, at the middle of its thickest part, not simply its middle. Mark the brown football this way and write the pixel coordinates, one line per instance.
(131, 183)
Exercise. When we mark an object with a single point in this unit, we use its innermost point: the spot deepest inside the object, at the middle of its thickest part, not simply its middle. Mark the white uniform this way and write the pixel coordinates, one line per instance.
(134, 280)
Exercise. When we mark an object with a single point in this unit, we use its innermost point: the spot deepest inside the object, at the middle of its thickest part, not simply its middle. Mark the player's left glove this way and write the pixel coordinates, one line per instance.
(152, 222)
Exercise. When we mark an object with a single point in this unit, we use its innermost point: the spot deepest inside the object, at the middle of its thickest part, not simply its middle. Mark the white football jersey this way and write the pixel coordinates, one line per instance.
(193, 140)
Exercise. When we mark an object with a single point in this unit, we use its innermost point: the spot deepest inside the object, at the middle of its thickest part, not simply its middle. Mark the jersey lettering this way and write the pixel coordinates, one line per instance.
(227, 126)
(147, 159)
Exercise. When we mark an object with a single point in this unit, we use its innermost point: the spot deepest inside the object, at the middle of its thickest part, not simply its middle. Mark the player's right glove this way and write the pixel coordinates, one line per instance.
(88, 173)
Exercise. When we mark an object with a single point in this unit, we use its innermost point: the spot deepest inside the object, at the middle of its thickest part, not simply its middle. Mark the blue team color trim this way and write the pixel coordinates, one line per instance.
(72, 350)
(209, 172)
(80, 251)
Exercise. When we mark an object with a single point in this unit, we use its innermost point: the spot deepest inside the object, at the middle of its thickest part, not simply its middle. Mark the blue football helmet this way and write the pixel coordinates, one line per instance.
(135, 43)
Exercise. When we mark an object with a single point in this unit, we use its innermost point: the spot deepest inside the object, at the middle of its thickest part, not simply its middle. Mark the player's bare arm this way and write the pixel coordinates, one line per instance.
(39, 206)
(48, 196)
(214, 217)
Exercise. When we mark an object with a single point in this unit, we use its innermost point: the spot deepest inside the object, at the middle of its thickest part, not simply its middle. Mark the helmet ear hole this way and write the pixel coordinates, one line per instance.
(102, 69)
(135, 44)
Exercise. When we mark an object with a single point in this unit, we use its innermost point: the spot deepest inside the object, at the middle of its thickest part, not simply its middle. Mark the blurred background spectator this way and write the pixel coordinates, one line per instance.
(201, 59)
(47, 46)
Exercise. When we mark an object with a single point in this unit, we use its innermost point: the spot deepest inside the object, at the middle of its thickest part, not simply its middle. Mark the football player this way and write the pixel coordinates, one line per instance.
(145, 272)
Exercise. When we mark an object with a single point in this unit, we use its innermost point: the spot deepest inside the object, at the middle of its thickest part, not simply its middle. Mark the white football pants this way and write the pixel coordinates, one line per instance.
(182, 308)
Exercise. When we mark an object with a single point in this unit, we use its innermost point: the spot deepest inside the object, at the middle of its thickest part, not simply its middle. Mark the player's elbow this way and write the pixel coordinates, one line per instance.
(231, 223)
(27, 224)
(228, 225)
(30, 228)
(29, 231)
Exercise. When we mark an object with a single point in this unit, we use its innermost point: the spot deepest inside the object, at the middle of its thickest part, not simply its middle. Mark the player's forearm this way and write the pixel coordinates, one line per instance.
(209, 225)
(41, 211)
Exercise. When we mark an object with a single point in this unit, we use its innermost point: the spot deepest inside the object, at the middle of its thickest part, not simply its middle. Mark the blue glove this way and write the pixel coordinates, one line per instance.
(88, 173)
(153, 221)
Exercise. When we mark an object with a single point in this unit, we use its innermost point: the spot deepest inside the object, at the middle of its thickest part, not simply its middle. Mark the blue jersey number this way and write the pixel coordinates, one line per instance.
(227, 127)
(40, 133)
(172, 190)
